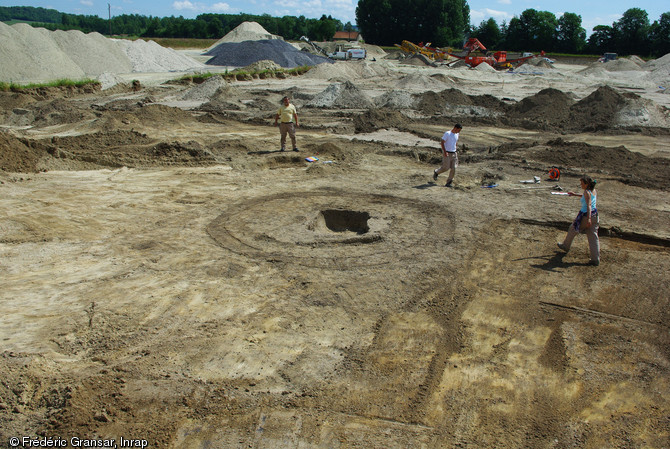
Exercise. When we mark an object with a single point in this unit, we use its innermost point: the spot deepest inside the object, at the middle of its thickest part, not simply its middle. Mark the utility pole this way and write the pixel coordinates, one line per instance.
(109, 12)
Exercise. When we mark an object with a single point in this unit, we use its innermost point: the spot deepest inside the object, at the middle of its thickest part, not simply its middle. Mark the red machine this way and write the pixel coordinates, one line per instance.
(497, 60)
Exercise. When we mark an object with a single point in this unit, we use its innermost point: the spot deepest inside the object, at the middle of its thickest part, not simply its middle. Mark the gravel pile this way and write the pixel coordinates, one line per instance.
(241, 54)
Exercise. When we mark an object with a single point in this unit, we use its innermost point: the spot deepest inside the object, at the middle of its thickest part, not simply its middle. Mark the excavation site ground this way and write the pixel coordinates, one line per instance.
(168, 275)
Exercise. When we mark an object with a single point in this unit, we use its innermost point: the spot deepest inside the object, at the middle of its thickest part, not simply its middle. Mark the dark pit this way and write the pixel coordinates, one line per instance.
(338, 220)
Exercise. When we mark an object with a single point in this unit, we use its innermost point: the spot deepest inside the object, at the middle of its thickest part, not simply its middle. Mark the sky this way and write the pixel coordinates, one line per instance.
(594, 12)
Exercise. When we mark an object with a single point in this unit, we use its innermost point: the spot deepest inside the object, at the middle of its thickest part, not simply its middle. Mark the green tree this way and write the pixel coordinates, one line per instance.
(659, 35)
(214, 28)
(632, 32)
(571, 37)
(489, 33)
(602, 39)
(387, 22)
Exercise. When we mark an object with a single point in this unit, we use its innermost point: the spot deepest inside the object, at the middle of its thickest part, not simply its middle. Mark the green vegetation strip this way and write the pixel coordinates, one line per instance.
(241, 75)
(5, 87)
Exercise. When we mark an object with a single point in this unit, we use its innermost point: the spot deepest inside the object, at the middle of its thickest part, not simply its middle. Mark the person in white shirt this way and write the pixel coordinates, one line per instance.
(449, 155)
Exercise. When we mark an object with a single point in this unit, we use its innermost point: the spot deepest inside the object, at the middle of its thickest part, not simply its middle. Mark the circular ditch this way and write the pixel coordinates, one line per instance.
(330, 229)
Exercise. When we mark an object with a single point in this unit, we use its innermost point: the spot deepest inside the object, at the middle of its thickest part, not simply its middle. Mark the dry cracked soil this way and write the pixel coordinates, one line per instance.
(168, 275)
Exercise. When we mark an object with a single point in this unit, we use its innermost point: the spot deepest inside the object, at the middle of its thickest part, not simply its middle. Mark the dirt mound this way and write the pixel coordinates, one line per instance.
(241, 54)
(376, 119)
(436, 102)
(341, 95)
(331, 151)
(396, 99)
(59, 111)
(19, 155)
(599, 110)
(603, 109)
(547, 107)
(206, 90)
(633, 168)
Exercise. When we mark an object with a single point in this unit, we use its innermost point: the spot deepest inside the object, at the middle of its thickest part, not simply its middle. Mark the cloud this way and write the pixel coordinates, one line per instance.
(343, 10)
(482, 15)
(505, 2)
(220, 7)
(184, 5)
(86, 2)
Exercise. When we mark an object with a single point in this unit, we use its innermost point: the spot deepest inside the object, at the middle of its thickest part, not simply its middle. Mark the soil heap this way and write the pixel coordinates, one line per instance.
(341, 95)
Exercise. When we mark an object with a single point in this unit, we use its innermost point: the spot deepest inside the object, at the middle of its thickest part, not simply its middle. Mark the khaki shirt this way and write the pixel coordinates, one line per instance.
(286, 113)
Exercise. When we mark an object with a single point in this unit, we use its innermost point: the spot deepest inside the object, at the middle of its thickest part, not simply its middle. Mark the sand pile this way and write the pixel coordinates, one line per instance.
(483, 67)
(259, 66)
(349, 71)
(341, 95)
(240, 54)
(662, 63)
(246, 31)
(659, 72)
(148, 56)
(30, 54)
(27, 56)
(93, 52)
(621, 65)
(420, 81)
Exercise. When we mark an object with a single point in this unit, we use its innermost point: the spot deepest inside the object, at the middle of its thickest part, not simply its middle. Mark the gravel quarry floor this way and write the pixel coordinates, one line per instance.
(166, 274)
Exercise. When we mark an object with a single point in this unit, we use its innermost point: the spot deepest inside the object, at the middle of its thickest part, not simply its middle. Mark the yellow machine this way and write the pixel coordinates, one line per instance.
(432, 53)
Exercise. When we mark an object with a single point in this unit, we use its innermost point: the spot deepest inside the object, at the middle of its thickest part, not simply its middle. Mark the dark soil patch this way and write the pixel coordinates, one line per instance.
(19, 155)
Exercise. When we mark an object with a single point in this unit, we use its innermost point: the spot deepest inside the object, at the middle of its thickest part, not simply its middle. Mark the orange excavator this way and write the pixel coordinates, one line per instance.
(497, 60)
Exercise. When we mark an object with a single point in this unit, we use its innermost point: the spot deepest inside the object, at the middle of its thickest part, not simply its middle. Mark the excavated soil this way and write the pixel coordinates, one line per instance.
(168, 275)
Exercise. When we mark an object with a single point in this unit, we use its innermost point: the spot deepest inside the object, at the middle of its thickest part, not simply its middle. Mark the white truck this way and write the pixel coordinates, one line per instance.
(351, 53)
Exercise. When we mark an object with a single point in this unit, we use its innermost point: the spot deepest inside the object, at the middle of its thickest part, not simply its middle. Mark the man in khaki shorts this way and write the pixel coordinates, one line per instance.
(288, 121)
(449, 156)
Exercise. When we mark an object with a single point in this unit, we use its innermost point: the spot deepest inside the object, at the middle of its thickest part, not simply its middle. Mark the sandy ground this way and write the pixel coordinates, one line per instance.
(168, 275)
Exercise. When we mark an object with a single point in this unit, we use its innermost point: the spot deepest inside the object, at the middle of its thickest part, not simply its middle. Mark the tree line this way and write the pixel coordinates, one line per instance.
(444, 23)
(533, 30)
(204, 26)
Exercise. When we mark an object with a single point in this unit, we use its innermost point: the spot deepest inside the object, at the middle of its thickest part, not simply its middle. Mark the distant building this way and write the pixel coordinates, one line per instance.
(347, 36)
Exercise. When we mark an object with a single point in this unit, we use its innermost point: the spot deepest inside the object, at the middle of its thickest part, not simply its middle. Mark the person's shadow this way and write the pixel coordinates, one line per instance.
(427, 185)
(553, 262)
(265, 152)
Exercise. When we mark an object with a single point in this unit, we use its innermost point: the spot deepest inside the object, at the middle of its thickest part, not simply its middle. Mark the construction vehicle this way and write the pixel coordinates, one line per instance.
(315, 47)
(497, 60)
(435, 54)
(341, 52)
(608, 57)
